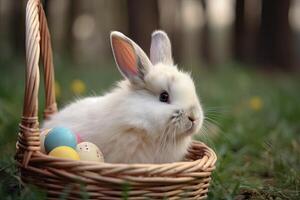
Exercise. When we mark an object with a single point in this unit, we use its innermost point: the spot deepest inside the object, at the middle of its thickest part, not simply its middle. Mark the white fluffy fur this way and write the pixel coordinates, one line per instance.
(131, 125)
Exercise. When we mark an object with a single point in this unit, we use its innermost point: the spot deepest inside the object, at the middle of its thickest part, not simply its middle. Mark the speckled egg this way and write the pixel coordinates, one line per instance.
(59, 136)
(64, 152)
(89, 152)
(42, 139)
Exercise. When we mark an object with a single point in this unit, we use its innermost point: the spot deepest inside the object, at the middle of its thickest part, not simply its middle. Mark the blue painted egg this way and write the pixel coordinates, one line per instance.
(59, 136)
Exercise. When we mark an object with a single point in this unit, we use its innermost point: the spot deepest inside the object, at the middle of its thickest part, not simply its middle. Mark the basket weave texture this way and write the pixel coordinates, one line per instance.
(180, 180)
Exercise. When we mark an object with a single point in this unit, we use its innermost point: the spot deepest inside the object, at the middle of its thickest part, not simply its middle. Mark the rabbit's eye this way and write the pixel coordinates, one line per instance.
(164, 97)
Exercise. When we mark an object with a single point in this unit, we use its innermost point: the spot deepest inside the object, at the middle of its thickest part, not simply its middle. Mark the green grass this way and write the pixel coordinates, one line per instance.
(253, 123)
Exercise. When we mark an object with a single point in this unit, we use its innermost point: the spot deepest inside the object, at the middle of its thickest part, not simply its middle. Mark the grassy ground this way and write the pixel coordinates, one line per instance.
(253, 123)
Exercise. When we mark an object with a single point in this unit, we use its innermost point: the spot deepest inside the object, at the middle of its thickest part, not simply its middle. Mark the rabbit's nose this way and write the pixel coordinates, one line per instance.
(193, 114)
(192, 119)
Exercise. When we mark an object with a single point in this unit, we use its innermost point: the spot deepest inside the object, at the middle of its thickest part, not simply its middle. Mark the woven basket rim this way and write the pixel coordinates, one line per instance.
(41, 157)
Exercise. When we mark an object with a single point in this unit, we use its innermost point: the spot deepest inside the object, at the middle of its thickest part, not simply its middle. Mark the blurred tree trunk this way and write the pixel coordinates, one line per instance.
(143, 19)
(239, 30)
(46, 7)
(18, 27)
(170, 13)
(205, 38)
(69, 39)
(176, 32)
(275, 36)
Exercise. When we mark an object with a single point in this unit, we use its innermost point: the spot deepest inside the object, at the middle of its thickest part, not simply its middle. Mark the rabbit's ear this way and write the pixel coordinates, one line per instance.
(131, 60)
(160, 51)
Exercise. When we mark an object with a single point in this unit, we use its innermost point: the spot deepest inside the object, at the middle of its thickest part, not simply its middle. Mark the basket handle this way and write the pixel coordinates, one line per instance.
(37, 42)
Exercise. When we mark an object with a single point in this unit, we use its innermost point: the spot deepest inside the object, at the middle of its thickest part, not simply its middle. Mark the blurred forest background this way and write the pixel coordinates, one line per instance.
(264, 33)
(244, 56)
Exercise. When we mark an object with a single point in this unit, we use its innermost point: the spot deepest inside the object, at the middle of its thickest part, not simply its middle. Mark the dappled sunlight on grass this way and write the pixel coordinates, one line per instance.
(78, 87)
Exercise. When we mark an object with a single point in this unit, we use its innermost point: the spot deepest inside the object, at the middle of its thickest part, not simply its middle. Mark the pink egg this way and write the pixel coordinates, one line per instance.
(78, 138)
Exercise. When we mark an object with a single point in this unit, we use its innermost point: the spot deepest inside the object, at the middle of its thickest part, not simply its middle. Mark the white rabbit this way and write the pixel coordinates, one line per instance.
(149, 117)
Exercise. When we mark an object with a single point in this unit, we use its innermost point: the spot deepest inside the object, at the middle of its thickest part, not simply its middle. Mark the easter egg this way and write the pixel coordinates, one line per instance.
(78, 138)
(64, 152)
(89, 152)
(42, 139)
(59, 136)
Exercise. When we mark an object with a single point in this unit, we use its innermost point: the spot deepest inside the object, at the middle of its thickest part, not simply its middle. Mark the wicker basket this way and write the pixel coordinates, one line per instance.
(181, 180)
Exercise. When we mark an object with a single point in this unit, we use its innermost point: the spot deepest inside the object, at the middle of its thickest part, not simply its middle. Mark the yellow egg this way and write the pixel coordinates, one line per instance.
(89, 152)
(64, 152)
(42, 139)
